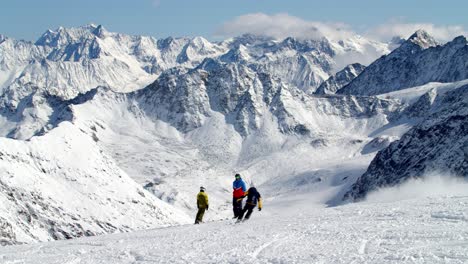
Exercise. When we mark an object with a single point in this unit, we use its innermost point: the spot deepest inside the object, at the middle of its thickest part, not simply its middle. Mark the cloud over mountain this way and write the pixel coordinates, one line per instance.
(284, 25)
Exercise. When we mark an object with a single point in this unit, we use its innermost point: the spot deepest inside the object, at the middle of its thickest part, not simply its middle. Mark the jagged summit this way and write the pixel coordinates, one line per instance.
(198, 48)
(422, 39)
(100, 31)
(237, 54)
(418, 41)
(63, 36)
(308, 45)
(114, 58)
(200, 42)
(417, 61)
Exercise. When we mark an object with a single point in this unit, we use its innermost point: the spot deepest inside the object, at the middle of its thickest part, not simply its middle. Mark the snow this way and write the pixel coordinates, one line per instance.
(418, 61)
(290, 229)
(411, 95)
(61, 185)
(173, 164)
(125, 160)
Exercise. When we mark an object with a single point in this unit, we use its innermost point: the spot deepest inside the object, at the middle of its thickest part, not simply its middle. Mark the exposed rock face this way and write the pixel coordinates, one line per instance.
(438, 144)
(340, 79)
(244, 96)
(417, 61)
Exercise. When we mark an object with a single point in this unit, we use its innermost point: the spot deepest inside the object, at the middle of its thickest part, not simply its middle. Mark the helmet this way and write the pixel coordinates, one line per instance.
(237, 175)
(202, 188)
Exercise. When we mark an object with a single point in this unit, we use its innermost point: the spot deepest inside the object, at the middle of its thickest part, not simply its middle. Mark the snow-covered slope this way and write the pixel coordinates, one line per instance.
(242, 105)
(62, 186)
(215, 109)
(438, 144)
(340, 79)
(423, 229)
(417, 61)
(206, 128)
(211, 109)
(213, 123)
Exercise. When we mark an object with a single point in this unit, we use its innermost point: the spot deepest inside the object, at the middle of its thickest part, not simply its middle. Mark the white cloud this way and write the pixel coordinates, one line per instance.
(394, 28)
(284, 25)
(281, 26)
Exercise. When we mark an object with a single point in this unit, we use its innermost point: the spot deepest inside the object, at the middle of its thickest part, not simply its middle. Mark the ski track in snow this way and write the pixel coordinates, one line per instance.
(409, 231)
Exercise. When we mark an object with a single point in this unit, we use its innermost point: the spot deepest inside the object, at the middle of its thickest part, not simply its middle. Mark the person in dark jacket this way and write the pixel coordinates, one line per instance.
(202, 204)
(253, 199)
(238, 194)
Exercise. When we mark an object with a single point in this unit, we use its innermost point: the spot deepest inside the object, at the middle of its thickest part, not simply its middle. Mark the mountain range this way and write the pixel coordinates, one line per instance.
(132, 126)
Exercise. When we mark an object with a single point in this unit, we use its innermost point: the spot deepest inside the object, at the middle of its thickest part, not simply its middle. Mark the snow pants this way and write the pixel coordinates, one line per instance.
(237, 206)
(199, 218)
(247, 208)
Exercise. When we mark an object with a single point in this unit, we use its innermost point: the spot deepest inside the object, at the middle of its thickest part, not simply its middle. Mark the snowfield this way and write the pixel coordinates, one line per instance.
(418, 228)
(61, 185)
(107, 134)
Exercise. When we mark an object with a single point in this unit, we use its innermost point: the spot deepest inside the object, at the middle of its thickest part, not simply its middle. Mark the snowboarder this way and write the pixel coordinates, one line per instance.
(202, 204)
(253, 197)
(239, 189)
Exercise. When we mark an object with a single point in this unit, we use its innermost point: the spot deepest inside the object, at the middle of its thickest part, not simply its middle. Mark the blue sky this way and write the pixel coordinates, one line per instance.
(28, 19)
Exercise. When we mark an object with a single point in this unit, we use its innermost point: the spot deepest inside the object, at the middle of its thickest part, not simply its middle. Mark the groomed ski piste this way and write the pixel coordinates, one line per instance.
(422, 221)
(303, 221)
(120, 166)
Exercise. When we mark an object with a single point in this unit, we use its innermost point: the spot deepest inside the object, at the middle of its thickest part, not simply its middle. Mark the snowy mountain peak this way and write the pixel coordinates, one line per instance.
(422, 39)
(238, 54)
(306, 45)
(197, 49)
(64, 36)
(100, 31)
(170, 43)
(200, 42)
(418, 61)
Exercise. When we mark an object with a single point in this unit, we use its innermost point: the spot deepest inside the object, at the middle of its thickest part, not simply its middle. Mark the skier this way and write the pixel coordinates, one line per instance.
(239, 189)
(253, 196)
(202, 204)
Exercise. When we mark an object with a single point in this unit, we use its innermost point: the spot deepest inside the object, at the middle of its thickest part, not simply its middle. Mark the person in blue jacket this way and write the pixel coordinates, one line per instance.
(238, 194)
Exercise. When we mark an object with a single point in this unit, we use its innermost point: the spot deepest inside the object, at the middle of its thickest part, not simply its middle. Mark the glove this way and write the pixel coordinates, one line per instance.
(260, 209)
(207, 207)
(239, 200)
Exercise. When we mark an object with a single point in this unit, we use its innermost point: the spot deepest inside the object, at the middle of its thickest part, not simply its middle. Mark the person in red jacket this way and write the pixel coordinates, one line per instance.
(238, 194)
